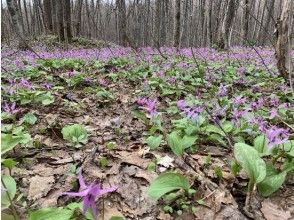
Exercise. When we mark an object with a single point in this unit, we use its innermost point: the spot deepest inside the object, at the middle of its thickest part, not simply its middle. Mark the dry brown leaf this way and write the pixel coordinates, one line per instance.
(40, 186)
(272, 211)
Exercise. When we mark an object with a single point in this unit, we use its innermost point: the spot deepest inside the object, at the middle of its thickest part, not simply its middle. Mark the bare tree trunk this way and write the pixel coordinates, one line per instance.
(177, 33)
(67, 20)
(245, 20)
(48, 15)
(78, 17)
(208, 12)
(16, 21)
(283, 47)
(265, 25)
(59, 10)
(122, 22)
(27, 16)
(227, 24)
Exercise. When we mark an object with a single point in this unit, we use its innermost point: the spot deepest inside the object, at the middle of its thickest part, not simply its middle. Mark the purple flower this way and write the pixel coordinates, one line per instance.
(25, 84)
(274, 113)
(222, 90)
(286, 105)
(47, 86)
(172, 80)
(274, 101)
(237, 115)
(12, 82)
(142, 101)
(190, 112)
(10, 109)
(239, 100)
(9, 90)
(149, 105)
(181, 104)
(89, 194)
(102, 82)
(276, 136)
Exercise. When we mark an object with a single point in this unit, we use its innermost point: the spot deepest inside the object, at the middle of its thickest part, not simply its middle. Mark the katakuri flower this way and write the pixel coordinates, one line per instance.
(10, 109)
(276, 136)
(89, 194)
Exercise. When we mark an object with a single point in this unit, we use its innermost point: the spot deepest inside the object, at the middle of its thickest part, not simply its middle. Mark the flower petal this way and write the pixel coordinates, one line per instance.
(77, 194)
(107, 190)
(81, 181)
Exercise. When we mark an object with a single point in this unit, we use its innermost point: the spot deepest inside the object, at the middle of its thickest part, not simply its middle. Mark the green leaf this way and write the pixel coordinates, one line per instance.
(75, 134)
(8, 142)
(250, 161)
(188, 141)
(214, 129)
(260, 144)
(272, 182)
(9, 163)
(289, 147)
(51, 214)
(166, 183)
(30, 118)
(5, 216)
(228, 126)
(153, 142)
(174, 142)
(10, 188)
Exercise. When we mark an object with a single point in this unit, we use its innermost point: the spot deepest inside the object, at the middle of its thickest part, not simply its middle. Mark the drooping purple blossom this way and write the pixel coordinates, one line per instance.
(274, 101)
(274, 113)
(190, 112)
(89, 194)
(102, 82)
(239, 100)
(47, 85)
(172, 80)
(276, 136)
(222, 91)
(25, 84)
(149, 105)
(10, 109)
(237, 115)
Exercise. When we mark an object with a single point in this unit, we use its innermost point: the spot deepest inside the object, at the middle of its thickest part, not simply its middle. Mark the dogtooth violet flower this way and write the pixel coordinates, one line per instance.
(89, 193)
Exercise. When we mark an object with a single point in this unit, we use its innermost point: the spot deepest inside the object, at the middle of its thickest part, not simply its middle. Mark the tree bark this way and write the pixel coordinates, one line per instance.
(16, 22)
(245, 20)
(227, 24)
(78, 17)
(177, 33)
(59, 10)
(122, 22)
(67, 20)
(48, 16)
(283, 47)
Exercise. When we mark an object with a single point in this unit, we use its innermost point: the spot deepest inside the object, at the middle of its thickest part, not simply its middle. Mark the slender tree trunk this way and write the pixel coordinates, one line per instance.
(177, 34)
(59, 8)
(78, 17)
(27, 16)
(227, 24)
(48, 16)
(16, 21)
(208, 23)
(67, 20)
(270, 9)
(122, 23)
(245, 20)
(283, 47)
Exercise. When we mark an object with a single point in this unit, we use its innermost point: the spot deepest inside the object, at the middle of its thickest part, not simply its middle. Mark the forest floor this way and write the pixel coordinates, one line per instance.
(146, 112)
